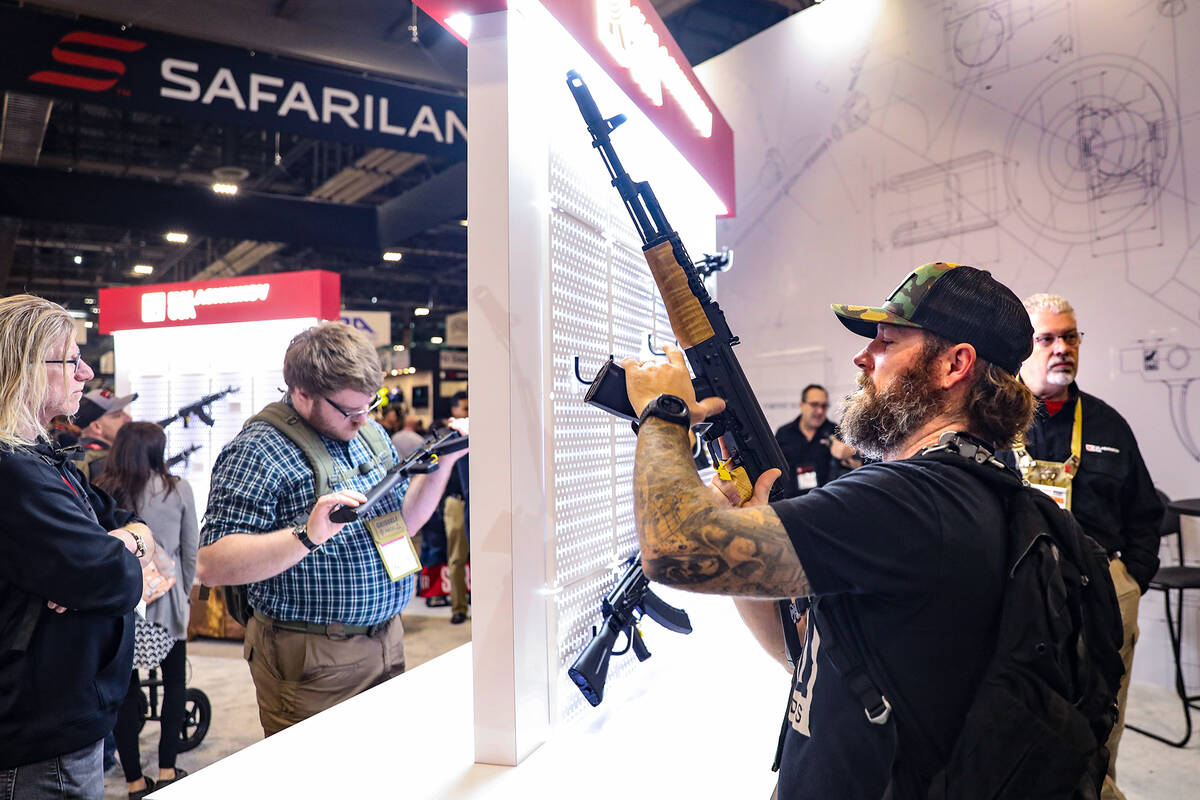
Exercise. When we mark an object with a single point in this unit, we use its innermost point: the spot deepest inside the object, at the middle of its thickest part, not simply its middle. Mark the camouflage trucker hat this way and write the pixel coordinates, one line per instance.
(959, 303)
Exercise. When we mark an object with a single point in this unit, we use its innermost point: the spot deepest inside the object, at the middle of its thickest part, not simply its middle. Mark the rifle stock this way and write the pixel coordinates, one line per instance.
(628, 601)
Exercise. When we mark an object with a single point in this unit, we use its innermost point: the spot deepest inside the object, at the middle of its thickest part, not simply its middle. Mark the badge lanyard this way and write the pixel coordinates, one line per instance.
(1054, 477)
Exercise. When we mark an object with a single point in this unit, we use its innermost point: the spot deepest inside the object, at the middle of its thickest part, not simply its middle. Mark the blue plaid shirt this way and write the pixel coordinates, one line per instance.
(261, 482)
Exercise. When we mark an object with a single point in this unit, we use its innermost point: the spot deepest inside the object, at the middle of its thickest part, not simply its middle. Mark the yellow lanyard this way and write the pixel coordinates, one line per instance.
(1054, 477)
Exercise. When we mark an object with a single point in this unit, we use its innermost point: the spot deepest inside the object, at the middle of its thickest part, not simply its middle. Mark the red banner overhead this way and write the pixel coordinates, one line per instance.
(251, 298)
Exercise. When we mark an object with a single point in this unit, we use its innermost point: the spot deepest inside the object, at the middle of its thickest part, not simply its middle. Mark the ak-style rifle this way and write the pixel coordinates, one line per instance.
(699, 325)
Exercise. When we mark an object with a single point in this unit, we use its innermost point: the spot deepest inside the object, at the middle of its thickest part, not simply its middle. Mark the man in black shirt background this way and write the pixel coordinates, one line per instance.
(1107, 487)
(814, 455)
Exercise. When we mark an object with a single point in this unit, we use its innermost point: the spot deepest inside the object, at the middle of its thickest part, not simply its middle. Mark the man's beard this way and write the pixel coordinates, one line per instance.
(876, 423)
(1056, 377)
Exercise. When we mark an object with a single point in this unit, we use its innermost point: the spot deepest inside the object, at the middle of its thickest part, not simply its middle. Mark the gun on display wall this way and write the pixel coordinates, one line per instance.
(698, 323)
(182, 456)
(623, 608)
(198, 409)
(422, 460)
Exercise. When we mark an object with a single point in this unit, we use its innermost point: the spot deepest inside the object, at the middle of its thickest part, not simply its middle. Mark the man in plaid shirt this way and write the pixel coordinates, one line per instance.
(326, 621)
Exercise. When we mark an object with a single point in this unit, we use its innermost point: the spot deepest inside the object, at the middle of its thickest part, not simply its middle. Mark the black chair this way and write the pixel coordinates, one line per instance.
(1176, 579)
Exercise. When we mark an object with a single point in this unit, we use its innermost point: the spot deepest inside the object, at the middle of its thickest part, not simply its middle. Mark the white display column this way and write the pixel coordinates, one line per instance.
(505, 245)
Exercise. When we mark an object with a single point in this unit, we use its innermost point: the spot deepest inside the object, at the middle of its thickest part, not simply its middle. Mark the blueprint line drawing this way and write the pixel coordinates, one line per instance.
(1104, 131)
(958, 196)
(987, 39)
(1177, 366)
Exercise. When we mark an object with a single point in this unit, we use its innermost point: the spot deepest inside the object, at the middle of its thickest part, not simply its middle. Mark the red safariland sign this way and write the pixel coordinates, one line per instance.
(631, 43)
(251, 298)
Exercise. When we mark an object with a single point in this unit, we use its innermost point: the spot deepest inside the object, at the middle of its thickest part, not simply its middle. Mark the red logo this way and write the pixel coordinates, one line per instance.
(110, 65)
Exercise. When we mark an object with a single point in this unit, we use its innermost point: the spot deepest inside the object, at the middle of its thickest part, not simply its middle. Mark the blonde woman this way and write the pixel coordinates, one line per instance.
(69, 571)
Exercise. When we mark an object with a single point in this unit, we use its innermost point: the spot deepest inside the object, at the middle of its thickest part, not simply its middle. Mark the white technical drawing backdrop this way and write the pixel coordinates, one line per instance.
(1056, 143)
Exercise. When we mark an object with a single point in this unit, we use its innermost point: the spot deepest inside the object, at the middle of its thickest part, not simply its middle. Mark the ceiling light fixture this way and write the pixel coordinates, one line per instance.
(435, 340)
(399, 348)
(78, 259)
(143, 269)
(89, 301)
(420, 311)
(225, 188)
(176, 237)
(393, 255)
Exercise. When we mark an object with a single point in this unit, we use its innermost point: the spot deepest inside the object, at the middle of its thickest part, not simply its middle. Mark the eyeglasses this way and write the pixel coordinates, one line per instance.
(74, 362)
(361, 412)
(1070, 338)
(818, 405)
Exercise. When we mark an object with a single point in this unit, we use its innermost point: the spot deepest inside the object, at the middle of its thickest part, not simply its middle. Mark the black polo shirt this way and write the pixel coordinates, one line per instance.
(802, 453)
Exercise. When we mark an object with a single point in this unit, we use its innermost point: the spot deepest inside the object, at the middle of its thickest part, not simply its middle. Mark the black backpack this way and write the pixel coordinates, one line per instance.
(1043, 711)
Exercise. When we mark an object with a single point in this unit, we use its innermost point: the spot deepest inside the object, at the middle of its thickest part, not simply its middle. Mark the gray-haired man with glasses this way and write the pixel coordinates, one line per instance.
(1082, 453)
(326, 600)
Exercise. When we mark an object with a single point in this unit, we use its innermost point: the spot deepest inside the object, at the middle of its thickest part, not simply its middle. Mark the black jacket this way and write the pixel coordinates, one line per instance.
(1112, 495)
(62, 676)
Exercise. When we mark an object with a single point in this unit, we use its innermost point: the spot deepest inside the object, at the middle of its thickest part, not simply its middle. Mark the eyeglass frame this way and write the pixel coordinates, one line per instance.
(74, 362)
(1054, 337)
(362, 412)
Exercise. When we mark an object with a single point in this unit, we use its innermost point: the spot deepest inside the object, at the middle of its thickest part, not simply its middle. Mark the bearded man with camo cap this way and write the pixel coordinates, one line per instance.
(910, 551)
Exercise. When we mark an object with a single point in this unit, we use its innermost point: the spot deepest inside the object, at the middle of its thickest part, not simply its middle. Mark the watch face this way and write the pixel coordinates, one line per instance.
(672, 404)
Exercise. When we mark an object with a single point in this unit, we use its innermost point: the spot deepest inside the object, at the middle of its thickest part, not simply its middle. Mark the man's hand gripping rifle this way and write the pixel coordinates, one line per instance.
(198, 409)
(750, 447)
(422, 460)
(625, 605)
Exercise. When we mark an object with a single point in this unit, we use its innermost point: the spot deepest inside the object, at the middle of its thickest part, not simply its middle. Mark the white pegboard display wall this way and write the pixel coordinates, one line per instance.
(602, 301)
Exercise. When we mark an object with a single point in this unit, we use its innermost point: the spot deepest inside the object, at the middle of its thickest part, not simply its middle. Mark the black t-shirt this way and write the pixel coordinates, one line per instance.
(909, 557)
(807, 454)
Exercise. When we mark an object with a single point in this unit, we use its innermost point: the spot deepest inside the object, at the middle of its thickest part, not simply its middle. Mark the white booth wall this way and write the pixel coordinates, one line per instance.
(1056, 143)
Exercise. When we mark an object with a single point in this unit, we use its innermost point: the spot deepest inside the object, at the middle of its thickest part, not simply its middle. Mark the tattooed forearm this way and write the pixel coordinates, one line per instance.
(689, 540)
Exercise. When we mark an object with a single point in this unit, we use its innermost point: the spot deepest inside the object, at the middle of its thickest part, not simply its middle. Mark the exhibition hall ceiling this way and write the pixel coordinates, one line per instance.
(88, 189)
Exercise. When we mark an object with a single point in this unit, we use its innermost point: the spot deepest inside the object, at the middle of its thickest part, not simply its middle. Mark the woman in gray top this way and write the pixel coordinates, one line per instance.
(137, 477)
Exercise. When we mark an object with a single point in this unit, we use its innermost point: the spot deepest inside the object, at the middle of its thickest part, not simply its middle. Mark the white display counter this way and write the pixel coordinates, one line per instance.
(701, 722)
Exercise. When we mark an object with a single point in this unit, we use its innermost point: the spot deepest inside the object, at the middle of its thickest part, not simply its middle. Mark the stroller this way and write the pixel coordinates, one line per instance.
(197, 710)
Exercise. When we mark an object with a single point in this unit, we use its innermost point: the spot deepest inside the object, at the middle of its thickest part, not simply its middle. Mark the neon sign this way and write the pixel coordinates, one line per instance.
(631, 41)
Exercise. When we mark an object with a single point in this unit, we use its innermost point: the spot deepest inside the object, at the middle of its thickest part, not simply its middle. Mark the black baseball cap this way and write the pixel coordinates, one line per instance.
(956, 302)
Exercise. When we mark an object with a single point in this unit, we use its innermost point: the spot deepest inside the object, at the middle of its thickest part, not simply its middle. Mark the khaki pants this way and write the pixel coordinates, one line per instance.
(297, 675)
(460, 550)
(1128, 594)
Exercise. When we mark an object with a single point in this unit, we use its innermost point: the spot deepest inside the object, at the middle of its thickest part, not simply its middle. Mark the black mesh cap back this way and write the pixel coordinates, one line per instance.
(969, 305)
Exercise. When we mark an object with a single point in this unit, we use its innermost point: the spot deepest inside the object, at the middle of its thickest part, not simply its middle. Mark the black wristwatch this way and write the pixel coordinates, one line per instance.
(668, 407)
(301, 533)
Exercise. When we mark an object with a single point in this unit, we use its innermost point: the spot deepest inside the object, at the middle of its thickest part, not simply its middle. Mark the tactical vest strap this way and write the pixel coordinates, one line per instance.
(327, 476)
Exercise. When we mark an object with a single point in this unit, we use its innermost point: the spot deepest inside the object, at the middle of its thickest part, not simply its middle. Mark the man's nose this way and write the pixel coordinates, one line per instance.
(863, 359)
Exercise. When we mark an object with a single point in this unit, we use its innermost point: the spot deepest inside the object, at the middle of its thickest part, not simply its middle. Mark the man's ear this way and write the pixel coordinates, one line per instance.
(960, 360)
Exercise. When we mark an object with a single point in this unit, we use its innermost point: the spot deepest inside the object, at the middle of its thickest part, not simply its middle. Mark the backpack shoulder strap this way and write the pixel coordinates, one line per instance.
(326, 474)
(378, 443)
(287, 421)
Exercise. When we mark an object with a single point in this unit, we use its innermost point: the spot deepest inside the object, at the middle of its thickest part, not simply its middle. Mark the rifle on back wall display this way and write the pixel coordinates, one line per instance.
(198, 409)
(698, 323)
